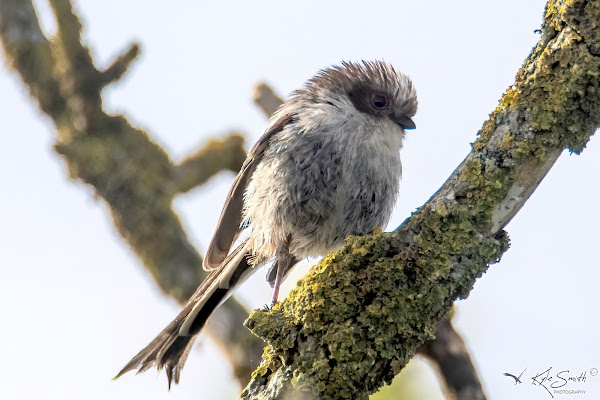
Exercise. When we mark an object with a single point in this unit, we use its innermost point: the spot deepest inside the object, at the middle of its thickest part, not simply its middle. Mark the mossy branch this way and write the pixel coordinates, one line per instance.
(127, 169)
(447, 351)
(359, 316)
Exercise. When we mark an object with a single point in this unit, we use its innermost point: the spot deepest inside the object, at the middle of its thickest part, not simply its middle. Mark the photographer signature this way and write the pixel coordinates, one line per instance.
(548, 380)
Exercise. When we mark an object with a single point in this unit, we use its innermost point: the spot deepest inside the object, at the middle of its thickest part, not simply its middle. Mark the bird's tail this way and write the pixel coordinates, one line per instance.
(169, 350)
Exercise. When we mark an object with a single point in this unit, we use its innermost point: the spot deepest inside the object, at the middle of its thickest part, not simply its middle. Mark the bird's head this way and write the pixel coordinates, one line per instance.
(372, 87)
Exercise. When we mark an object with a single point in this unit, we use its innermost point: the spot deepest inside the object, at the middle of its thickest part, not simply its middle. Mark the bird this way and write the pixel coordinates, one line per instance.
(327, 166)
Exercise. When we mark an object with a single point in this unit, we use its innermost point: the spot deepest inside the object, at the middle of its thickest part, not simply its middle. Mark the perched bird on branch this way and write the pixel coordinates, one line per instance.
(327, 166)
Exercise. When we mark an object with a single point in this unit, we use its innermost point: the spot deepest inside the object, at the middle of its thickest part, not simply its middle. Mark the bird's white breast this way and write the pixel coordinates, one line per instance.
(332, 172)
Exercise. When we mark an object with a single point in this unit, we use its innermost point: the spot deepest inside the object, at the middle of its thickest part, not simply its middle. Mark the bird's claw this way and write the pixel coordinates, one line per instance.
(267, 307)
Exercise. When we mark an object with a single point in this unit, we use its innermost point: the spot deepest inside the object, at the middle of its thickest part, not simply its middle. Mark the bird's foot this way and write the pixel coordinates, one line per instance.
(268, 307)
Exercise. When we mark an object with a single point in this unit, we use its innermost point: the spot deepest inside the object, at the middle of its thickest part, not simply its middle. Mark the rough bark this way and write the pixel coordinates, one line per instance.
(359, 316)
(130, 172)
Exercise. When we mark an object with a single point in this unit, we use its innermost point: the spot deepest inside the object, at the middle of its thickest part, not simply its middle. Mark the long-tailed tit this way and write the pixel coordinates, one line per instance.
(327, 166)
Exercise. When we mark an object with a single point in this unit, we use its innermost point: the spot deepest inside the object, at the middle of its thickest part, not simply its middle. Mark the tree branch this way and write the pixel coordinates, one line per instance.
(215, 156)
(266, 98)
(130, 172)
(120, 65)
(447, 350)
(451, 359)
(359, 316)
(28, 51)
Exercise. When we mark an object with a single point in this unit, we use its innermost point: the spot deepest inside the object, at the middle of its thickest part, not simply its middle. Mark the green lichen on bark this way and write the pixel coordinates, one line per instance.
(374, 302)
(556, 91)
(357, 318)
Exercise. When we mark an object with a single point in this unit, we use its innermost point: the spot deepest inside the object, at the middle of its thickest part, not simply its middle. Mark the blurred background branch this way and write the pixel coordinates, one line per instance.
(217, 155)
(127, 169)
(266, 98)
(451, 360)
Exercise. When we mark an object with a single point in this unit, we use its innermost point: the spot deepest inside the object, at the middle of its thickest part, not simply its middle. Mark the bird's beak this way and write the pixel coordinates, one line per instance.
(405, 122)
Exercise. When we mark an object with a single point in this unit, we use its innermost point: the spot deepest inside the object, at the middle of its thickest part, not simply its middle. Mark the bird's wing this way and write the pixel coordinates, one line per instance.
(228, 227)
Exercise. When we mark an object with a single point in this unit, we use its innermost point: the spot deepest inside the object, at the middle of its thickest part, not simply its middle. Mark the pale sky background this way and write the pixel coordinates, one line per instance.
(75, 304)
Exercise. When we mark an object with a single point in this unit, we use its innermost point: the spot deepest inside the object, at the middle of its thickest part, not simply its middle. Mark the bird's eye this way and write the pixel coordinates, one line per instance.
(379, 101)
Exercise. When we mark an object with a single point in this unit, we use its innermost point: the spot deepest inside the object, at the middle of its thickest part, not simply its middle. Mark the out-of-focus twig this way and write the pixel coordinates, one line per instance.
(216, 155)
(452, 361)
(266, 98)
(120, 65)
